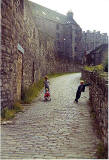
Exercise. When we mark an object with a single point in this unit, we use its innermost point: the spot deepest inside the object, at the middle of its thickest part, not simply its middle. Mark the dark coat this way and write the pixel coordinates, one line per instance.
(81, 88)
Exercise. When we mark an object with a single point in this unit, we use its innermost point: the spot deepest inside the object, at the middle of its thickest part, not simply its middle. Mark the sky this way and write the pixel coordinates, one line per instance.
(89, 14)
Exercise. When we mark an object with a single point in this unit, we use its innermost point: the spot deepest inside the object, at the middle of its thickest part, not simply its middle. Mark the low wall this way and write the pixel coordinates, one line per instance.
(98, 94)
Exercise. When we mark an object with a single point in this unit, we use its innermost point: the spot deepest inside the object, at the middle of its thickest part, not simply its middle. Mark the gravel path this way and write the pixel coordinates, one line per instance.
(56, 129)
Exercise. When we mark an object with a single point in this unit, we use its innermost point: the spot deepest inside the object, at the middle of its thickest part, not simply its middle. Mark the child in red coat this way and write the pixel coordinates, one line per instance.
(47, 94)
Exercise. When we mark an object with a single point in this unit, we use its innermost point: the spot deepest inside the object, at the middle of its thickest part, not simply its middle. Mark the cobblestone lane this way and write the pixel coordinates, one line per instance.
(56, 129)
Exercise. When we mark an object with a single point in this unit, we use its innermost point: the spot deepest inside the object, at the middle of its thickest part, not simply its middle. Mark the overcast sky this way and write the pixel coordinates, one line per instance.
(89, 14)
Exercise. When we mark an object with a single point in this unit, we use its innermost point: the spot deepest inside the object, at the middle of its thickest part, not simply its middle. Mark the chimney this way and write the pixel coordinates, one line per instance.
(69, 15)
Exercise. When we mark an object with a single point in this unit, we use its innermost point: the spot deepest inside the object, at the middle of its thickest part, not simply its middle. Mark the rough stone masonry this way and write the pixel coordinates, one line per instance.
(29, 53)
(98, 94)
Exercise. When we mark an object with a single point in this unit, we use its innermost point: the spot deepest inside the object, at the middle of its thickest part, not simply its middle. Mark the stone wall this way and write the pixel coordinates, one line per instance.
(98, 94)
(18, 69)
(0, 54)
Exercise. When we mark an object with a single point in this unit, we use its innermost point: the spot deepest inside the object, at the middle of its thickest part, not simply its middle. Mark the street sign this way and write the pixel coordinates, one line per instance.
(19, 47)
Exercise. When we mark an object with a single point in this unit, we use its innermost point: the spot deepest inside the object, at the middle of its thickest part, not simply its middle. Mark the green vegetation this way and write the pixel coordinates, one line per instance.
(30, 93)
(7, 114)
(104, 75)
(98, 68)
(102, 152)
(105, 65)
(17, 107)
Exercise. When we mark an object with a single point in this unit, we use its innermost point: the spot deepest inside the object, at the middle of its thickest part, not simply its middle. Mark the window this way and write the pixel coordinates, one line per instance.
(57, 26)
(19, 5)
(57, 35)
(75, 48)
(55, 43)
(58, 44)
(68, 22)
(43, 13)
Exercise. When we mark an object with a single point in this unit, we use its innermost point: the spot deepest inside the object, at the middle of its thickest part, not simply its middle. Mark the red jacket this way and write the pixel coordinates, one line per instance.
(47, 94)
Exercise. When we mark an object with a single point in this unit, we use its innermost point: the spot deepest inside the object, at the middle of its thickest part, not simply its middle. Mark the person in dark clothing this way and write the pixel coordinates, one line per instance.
(81, 88)
(46, 83)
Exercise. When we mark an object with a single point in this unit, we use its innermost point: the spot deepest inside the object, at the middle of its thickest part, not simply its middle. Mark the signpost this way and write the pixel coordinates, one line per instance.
(19, 47)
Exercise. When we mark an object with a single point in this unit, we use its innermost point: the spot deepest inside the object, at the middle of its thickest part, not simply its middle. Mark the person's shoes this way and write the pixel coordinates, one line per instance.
(76, 101)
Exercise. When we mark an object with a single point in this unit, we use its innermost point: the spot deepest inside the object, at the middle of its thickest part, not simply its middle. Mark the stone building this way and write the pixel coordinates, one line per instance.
(63, 28)
(98, 55)
(91, 40)
(35, 41)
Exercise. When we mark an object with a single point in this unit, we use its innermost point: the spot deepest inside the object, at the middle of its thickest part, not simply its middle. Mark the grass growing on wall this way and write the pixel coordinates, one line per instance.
(100, 69)
(8, 114)
(97, 68)
(29, 94)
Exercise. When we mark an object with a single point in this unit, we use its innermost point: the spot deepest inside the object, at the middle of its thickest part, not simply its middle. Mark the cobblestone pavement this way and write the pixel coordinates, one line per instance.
(52, 130)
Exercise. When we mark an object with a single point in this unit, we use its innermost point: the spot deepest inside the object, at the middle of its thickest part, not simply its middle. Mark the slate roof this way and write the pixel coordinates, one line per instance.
(44, 12)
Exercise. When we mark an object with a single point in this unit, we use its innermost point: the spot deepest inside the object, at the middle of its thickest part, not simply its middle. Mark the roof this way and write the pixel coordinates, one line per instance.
(44, 12)
(100, 49)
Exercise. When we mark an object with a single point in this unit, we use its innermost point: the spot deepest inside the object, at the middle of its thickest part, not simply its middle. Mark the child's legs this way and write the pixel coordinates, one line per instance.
(48, 88)
(78, 94)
